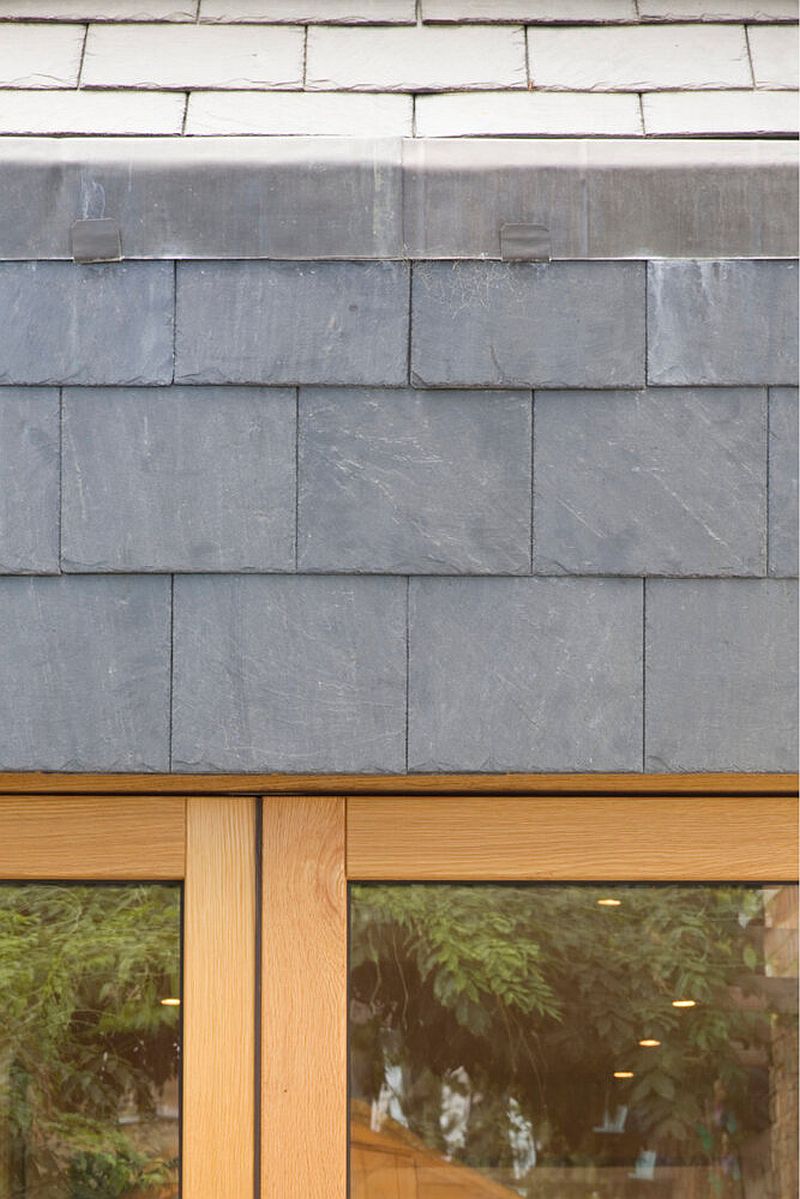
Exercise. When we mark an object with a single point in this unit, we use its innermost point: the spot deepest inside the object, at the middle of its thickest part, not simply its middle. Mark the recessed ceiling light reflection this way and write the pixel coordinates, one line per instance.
(170, 1003)
(609, 903)
(624, 1074)
(649, 1043)
(684, 1003)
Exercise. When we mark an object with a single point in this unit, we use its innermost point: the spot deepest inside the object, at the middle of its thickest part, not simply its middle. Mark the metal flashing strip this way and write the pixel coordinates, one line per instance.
(303, 198)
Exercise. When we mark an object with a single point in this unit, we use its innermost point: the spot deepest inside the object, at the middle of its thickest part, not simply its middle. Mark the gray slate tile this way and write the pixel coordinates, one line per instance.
(29, 468)
(414, 482)
(721, 681)
(84, 674)
(64, 323)
(183, 478)
(498, 324)
(292, 322)
(665, 481)
(525, 674)
(783, 445)
(731, 322)
(303, 673)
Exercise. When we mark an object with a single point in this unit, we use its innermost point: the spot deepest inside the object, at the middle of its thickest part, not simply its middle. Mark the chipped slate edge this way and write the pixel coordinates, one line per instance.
(308, 198)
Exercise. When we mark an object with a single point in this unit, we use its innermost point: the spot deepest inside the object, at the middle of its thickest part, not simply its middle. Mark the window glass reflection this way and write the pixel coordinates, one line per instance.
(89, 1041)
(573, 1042)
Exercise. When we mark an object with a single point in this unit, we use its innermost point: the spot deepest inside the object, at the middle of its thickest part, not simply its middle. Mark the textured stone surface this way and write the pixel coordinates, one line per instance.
(525, 674)
(189, 478)
(86, 324)
(419, 58)
(718, 10)
(727, 323)
(193, 56)
(101, 10)
(666, 481)
(783, 447)
(290, 322)
(774, 54)
(559, 324)
(528, 10)
(108, 112)
(299, 113)
(742, 112)
(290, 674)
(84, 674)
(40, 55)
(414, 482)
(504, 113)
(639, 57)
(348, 12)
(29, 471)
(721, 675)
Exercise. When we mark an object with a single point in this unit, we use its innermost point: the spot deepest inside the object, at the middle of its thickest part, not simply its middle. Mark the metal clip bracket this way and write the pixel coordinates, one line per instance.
(524, 243)
(96, 240)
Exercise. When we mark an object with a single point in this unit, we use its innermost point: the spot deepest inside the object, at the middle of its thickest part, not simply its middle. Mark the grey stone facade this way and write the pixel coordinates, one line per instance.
(222, 473)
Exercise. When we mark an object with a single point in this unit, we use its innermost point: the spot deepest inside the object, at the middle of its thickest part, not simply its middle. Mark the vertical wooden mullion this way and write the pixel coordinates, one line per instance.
(219, 999)
(304, 999)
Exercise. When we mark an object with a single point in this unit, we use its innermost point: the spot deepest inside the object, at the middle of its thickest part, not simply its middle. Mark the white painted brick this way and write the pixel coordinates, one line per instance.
(40, 55)
(188, 56)
(114, 112)
(720, 113)
(502, 114)
(322, 12)
(422, 58)
(639, 57)
(773, 50)
(99, 10)
(718, 10)
(290, 113)
(557, 11)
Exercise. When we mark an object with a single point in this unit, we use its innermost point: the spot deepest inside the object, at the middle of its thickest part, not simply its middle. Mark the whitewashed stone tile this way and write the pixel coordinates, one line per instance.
(718, 10)
(29, 480)
(299, 113)
(422, 58)
(193, 56)
(100, 10)
(40, 55)
(501, 114)
(100, 112)
(666, 481)
(639, 57)
(774, 51)
(721, 689)
(529, 10)
(320, 12)
(720, 113)
(525, 674)
(289, 673)
(84, 673)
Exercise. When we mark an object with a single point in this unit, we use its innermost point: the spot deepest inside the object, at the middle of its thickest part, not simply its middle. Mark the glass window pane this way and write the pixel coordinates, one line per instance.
(90, 1024)
(573, 1041)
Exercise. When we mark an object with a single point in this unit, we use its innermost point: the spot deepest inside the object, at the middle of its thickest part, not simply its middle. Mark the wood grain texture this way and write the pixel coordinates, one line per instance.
(304, 971)
(92, 837)
(219, 1000)
(577, 838)
(46, 783)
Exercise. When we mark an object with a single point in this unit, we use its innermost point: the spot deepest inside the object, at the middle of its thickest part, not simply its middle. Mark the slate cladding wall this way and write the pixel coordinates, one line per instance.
(381, 516)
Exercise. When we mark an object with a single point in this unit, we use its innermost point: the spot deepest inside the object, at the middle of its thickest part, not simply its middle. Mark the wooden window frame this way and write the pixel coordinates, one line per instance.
(209, 845)
(320, 832)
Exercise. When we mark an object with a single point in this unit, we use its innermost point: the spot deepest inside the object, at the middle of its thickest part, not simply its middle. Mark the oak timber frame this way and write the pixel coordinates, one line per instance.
(285, 1019)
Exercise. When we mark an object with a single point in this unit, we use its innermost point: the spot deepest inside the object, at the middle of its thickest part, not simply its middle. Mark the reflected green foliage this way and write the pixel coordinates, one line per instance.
(539, 995)
(84, 1039)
